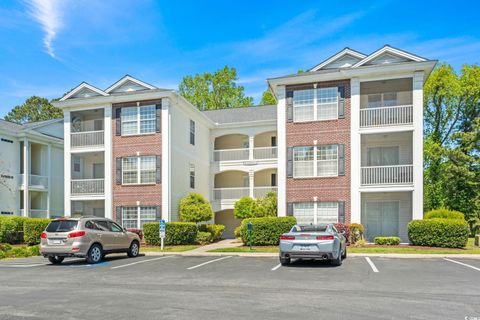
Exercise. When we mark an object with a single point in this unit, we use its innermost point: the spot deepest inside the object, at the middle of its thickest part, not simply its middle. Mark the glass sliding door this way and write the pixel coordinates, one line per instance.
(381, 219)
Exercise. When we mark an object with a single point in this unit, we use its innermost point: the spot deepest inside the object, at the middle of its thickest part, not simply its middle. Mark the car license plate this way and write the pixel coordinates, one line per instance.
(304, 248)
(55, 241)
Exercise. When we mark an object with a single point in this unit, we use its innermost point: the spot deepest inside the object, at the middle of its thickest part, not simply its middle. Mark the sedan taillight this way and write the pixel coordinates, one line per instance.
(76, 234)
(285, 237)
(43, 235)
(325, 237)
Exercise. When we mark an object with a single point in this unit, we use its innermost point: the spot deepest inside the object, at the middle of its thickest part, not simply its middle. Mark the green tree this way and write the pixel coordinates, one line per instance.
(32, 110)
(266, 206)
(219, 90)
(244, 208)
(268, 98)
(195, 208)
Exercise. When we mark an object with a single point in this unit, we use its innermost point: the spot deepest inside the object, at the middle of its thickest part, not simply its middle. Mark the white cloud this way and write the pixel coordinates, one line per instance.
(48, 14)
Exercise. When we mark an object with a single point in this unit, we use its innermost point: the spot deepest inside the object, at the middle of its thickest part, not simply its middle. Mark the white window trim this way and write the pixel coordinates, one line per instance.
(315, 163)
(315, 107)
(138, 121)
(139, 172)
(316, 212)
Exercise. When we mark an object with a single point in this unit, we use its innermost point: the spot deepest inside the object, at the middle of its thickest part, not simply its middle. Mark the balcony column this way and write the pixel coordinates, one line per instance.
(26, 177)
(251, 183)
(417, 146)
(108, 162)
(49, 179)
(251, 144)
(281, 151)
(355, 152)
(67, 164)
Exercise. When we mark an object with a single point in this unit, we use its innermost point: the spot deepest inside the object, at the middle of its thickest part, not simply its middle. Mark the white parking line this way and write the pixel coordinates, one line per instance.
(276, 267)
(463, 264)
(370, 262)
(21, 265)
(214, 260)
(142, 261)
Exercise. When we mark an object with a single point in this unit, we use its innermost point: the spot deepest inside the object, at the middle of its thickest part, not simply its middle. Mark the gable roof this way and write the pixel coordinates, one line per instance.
(127, 79)
(346, 52)
(17, 129)
(389, 50)
(85, 88)
(244, 114)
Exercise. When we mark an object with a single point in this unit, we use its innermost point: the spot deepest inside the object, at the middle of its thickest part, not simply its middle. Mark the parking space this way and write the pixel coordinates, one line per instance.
(180, 287)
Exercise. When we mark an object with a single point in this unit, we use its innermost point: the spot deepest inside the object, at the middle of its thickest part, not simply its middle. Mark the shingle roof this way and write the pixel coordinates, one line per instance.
(246, 114)
(19, 128)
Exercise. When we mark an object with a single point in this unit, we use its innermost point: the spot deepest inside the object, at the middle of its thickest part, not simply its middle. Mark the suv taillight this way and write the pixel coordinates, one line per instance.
(284, 237)
(43, 235)
(76, 234)
(325, 238)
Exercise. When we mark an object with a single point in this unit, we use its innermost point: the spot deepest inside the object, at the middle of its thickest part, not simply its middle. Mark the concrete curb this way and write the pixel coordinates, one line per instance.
(275, 255)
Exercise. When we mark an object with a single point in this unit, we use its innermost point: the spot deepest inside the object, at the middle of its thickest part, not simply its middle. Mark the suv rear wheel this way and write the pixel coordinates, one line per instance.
(133, 250)
(55, 259)
(95, 254)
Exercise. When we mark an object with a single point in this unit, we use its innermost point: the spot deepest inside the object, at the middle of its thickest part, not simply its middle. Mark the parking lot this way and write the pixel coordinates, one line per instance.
(232, 287)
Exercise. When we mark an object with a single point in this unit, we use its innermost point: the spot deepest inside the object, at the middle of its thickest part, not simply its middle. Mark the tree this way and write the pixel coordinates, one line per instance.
(219, 90)
(266, 206)
(194, 208)
(268, 98)
(244, 208)
(32, 110)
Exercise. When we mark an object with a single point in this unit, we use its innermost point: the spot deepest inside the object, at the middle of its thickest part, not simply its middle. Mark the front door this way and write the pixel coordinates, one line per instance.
(381, 219)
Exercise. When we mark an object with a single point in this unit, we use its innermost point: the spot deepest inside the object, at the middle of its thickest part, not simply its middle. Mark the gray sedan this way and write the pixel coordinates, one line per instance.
(321, 241)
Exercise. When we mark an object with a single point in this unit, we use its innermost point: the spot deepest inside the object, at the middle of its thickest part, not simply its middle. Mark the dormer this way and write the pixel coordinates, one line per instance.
(83, 90)
(388, 55)
(129, 84)
(343, 59)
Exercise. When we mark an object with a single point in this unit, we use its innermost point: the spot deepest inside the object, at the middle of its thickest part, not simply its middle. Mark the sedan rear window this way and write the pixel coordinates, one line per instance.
(62, 226)
(309, 228)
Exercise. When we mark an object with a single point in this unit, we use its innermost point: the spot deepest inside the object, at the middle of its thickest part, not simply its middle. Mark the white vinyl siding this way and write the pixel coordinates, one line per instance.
(139, 170)
(315, 104)
(315, 212)
(138, 120)
(136, 217)
(317, 161)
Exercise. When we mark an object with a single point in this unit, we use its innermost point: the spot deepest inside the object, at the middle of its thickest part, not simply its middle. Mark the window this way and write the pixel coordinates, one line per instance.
(192, 132)
(192, 176)
(76, 164)
(139, 170)
(315, 104)
(136, 217)
(138, 120)
(315, 212)
(383, 156)
(317, 161)
(378, 100)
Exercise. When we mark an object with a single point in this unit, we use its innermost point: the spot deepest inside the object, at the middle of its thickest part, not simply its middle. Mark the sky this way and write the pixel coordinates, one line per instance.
(48, 47)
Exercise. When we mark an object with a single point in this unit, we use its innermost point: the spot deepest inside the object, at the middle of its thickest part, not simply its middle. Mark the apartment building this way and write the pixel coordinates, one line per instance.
(343, 144)
(31, 169)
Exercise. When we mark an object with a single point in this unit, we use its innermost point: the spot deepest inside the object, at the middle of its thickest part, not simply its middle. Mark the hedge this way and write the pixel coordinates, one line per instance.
(215, 229)
(444, 214)
(11, 229)
(33, 228)
(390, 241)
(267, 230)
(447, 233)
(204, 237)
(176, 233)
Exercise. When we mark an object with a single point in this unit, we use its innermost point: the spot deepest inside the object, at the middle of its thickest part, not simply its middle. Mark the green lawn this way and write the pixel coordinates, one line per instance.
(469, 249)
(168, 248)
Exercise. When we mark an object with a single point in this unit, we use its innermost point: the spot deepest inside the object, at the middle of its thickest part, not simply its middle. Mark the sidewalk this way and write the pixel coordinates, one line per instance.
(222, 244)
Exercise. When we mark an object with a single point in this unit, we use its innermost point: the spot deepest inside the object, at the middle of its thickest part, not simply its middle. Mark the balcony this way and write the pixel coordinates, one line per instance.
(241, 147)
(82, 187)
(87, 139)
(386, 116)
(260, 153)
(35, 213)
(34, 181)
(230, 193)
(387, 175)
(231, 154)
(87, 129)
(259, 192)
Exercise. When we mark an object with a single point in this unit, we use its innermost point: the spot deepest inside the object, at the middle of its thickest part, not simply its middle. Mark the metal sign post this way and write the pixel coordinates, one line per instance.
(161, 230)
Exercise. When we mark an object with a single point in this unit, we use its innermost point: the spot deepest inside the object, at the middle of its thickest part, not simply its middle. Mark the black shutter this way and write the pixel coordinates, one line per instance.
(341, 102)
(290, 209)
(118, 215)
(158, 118)
(341, 159)
(159, 169)
(289, 106)
(341, 212)
(158, 213)
(118, 121)
(118, 170)
(289, 162)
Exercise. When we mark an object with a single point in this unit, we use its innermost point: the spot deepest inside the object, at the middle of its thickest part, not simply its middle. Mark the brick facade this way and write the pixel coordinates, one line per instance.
(324, 132)
(133, 145)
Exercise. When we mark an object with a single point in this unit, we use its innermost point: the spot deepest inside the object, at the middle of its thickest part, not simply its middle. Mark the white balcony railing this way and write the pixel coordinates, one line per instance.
(386, 116)
(34, 181)
(262, 191)
(382, 175)
(35, 213)
(230, 193)
(87, 139)
(88, 187)
(231, 154)
(265, 153)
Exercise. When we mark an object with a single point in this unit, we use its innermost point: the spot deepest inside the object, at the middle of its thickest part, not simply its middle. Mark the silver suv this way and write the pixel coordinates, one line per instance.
(86, 237)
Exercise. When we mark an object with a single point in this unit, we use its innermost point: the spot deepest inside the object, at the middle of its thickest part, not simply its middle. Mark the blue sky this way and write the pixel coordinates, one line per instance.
(49, 46)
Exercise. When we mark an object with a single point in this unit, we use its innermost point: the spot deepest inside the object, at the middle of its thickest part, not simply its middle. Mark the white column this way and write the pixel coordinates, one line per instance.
(107, 120)
(50, 180)
(282, 151)
(26, 177)
(67, 163)
(166, 210)
(417, 146)
(251, 183)
(251, 143)
(355, 151)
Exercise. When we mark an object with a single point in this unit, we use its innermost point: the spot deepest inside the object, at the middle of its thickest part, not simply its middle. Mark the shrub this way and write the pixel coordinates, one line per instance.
(204, 237)
(238, 232)
(448, 233)
(195, 208)
(20, 252)
(266, 206)
(33, 228)
(11, 229)
(356, 232)
(215, 229)
(343, 228)
(266, 230)
(176, 233)
(391, 241)
(444, 214)
(244, 208)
